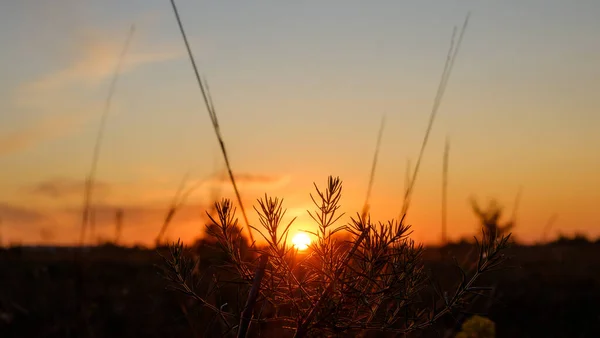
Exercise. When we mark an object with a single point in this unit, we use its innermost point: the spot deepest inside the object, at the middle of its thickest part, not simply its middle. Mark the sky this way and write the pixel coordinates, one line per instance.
(300, 90)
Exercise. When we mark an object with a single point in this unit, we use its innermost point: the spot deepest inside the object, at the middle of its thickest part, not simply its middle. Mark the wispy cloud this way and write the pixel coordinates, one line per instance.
(149, 190)
(253, 181)
(20, 215)
(96, 60)
(144, 205)
(65, 188)
(42, 130)
(51, 98)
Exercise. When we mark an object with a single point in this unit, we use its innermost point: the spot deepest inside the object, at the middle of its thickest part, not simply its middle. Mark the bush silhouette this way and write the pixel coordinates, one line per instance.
(373, 282)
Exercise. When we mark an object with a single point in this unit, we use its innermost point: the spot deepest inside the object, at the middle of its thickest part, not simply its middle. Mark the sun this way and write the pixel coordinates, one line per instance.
(301, 241)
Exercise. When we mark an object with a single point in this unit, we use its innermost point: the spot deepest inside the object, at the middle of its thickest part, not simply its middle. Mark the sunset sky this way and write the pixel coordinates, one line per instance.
(300, 89)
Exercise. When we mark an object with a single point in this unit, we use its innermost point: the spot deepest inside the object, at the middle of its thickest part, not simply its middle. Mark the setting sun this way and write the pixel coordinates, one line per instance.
(301, 241)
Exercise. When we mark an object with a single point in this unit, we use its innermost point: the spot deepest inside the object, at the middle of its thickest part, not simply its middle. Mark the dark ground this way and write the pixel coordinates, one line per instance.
(553, 291)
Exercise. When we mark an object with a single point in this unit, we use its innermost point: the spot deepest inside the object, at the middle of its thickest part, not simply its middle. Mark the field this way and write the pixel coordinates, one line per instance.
(549, 291)
(377, 281)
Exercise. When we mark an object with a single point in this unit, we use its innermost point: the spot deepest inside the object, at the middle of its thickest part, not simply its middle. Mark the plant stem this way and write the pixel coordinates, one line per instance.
(251, 301)
(213, 117)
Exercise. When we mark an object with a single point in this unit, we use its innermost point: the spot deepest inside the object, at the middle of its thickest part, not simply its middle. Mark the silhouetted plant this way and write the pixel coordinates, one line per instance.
(118, 225)
(490, 219)
(374, 282)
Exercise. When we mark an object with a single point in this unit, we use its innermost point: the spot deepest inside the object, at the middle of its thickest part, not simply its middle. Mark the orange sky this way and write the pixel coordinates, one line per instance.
(300, 90)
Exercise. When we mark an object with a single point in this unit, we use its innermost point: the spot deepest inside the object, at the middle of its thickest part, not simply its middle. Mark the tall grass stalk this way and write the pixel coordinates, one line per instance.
(445, 191)
(548, 227)
(407, 175)
(213, 116)
(90, 180)
(449, 65)
(119, 214)
(181, 195)
(366, 206)
(89, 188)
(515, 209)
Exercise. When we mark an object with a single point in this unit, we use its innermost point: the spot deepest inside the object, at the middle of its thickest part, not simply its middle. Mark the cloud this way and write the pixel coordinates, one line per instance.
(39, 131)
(97, 59)
(144, 204)
(249, 180)
(259, 179)
(61, 225)
(150, 191)
(19, 215)
(65, 188)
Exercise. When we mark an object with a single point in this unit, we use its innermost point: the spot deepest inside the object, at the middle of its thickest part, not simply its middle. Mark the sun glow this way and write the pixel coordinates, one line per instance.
(301, 241)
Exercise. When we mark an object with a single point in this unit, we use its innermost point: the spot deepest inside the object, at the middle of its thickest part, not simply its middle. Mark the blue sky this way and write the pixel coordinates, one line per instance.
(300, 89)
